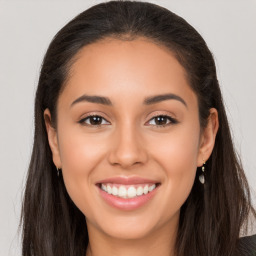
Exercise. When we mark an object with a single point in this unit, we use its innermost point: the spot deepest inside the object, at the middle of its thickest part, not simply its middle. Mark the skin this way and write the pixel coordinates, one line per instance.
(129, 142)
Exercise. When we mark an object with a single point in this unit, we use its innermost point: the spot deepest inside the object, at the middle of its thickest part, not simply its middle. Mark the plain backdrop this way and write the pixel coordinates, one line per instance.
(26, 29)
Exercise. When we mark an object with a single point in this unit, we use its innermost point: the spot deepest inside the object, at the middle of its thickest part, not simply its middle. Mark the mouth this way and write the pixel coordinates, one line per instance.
(127, 193)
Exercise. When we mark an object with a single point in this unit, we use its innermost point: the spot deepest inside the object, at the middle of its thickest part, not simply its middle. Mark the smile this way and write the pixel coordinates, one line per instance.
(127, 197)
(127, 191)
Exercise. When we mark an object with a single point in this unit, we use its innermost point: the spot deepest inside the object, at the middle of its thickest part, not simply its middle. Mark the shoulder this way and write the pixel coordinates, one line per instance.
(247, 245)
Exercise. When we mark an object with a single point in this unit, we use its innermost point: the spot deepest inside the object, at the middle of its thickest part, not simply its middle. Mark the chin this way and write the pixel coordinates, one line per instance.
(131, 234)
(127, 228)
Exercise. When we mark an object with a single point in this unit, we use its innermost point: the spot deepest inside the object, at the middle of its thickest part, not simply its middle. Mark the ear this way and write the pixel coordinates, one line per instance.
(52, 138)
(207, 139)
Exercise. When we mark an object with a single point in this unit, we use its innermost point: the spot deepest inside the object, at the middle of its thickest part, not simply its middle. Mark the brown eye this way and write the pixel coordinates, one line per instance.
(93, 120)
(163, 120)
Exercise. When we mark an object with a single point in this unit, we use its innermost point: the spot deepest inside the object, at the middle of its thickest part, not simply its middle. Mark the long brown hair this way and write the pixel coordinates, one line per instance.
(213, 214)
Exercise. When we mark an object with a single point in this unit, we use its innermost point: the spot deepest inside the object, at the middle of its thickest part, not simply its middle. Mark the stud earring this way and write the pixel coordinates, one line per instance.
(201, 177)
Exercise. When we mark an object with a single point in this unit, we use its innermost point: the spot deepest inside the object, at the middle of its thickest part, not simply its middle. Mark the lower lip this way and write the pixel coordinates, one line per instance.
(127, 204)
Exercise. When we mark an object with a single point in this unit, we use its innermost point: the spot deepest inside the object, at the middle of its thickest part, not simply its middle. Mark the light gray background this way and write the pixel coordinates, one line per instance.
(26, 28)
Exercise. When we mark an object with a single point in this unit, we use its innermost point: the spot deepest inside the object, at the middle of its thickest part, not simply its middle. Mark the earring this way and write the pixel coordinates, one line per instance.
(58, 171)
(201, 177)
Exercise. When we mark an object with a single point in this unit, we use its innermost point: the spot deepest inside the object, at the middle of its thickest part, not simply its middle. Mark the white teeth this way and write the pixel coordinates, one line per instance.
(131, 192)
(152, 187)
(109, 189)
(104, 187)
(127, 192)
(145, 189)
(140, 191)
(114, 191)
(122, 191)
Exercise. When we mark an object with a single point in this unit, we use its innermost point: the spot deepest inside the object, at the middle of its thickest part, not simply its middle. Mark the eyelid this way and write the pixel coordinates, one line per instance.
(161, 113)
(85, 115)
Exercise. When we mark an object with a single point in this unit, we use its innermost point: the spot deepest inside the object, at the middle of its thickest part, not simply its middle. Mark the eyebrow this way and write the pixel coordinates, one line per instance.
(147, 101)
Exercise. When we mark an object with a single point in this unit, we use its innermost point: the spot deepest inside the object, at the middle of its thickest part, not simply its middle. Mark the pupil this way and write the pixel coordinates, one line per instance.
(161, 120)
(96, 120)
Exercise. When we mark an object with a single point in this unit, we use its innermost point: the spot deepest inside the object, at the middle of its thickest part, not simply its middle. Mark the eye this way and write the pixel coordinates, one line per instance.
(162, 121)
(93, 120)
(158, 121)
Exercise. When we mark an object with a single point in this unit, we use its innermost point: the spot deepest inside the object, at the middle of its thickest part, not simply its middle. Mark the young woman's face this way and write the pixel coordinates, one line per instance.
(135, 134)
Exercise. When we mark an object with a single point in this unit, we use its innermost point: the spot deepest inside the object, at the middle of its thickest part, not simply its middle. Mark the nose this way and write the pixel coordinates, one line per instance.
(127, 148)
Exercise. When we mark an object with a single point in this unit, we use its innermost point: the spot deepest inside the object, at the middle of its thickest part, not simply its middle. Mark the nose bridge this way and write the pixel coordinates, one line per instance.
(127, 148)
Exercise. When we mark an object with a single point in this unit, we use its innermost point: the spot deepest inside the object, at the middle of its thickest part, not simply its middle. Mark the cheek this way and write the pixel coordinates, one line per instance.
(80, 154)
(80, 149)
(178, 150)
(178, 158)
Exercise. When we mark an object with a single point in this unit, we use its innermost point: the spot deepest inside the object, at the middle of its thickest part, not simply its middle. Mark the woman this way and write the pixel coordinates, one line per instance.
(132, 150)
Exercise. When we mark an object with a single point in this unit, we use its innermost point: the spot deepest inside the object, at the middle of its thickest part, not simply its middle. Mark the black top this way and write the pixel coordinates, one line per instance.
(247, 245)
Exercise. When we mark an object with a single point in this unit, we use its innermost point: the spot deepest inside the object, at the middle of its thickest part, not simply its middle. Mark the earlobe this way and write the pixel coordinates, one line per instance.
(52, 138)
(208, 137)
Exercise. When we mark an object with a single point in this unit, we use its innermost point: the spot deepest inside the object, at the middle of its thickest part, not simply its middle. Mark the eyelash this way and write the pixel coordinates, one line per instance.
(171, 119)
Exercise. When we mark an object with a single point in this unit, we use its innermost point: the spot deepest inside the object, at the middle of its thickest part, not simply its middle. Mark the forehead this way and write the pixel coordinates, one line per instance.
(113, 68)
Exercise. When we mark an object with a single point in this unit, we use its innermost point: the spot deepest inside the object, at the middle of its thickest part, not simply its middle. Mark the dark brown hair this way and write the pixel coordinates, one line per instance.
(213, 214)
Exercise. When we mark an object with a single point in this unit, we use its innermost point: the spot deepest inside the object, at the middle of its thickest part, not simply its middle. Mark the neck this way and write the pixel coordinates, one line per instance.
(158, 242)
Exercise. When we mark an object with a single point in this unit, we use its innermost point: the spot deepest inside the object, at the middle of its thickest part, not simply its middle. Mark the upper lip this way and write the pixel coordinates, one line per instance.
(127, 180)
